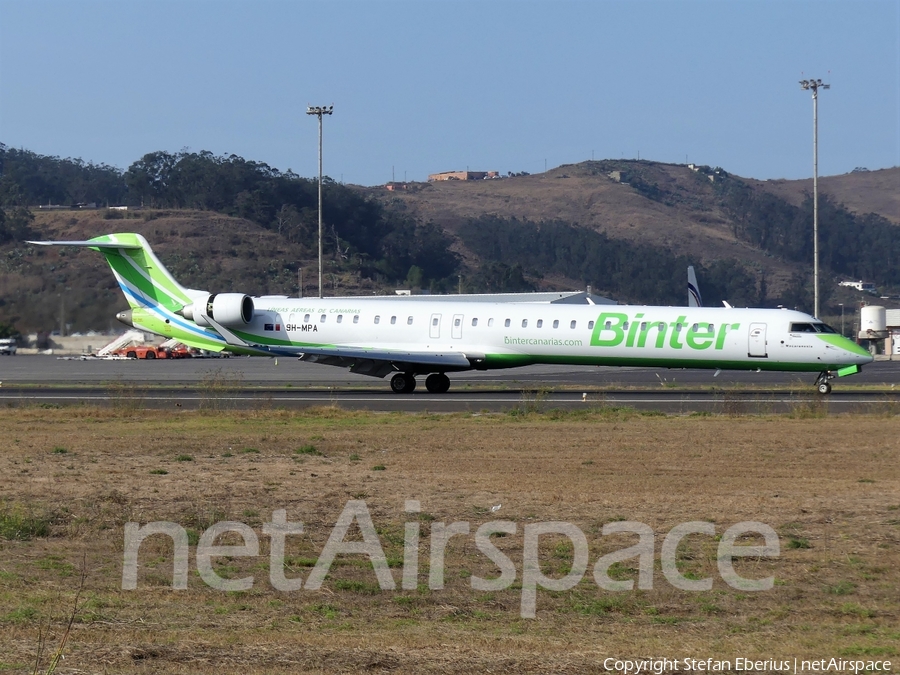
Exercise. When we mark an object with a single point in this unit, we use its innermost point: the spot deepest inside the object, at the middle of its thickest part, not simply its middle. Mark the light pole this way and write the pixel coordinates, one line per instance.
(319, 111)
(815, 85)
(842, 318)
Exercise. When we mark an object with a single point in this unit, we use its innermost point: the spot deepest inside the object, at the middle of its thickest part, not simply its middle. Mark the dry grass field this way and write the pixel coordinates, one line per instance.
(70, 479)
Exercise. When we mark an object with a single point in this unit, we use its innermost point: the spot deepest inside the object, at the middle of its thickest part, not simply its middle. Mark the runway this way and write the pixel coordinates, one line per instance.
(250, 383)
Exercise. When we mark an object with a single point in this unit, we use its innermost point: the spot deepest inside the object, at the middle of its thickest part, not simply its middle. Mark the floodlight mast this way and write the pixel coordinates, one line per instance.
(319, 111)
(815, 85)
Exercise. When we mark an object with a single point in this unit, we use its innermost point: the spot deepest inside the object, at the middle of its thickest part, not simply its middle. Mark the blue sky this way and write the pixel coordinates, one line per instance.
(431, 86)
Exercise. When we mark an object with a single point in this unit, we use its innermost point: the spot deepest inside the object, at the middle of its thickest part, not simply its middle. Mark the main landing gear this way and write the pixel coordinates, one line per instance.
(823, 382)
(405, 383)
(437, 383)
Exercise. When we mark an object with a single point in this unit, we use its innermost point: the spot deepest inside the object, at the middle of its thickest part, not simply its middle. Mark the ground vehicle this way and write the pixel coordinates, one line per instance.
(141, 352)
(151, 352)
(8, 346)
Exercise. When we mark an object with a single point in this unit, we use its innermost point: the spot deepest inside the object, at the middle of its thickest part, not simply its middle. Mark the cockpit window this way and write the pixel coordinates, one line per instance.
(811, 328)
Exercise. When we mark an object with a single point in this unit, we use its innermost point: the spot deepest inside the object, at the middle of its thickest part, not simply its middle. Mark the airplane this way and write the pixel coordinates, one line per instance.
(432, 336)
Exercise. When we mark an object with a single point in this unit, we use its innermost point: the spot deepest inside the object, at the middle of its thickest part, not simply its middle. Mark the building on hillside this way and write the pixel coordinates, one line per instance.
(463, 175)
(394, 186)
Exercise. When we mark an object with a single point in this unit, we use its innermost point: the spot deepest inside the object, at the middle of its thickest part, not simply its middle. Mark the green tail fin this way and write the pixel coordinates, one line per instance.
(141, 276)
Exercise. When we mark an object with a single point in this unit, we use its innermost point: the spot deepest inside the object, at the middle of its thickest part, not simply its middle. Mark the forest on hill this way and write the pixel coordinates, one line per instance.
(374, 243)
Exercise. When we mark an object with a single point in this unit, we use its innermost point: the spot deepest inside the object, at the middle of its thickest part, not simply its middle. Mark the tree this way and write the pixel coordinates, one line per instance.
(16, 225)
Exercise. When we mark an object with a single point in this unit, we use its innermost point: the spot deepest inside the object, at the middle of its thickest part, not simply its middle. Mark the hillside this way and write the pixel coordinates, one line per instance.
(686, 220)
(860, 192)
(653, 220)
(666, 205)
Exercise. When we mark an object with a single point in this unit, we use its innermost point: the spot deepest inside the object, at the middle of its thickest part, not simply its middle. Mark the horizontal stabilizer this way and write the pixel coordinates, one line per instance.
(88, 244)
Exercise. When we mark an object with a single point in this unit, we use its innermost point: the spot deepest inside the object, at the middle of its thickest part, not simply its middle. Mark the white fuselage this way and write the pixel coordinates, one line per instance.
(503, 334)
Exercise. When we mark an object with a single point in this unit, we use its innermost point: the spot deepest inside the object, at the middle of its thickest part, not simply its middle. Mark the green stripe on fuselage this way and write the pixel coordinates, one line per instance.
(516, 360)
(841, 342)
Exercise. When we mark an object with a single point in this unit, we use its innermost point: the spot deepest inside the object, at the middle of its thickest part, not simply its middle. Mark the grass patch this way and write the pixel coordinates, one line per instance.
(364, 587)
(841, 588)
(17, 523)
(308, 449)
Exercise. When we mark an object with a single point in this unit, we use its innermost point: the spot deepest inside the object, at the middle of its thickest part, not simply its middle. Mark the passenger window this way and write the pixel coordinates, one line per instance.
(322, 318)
(393, 320)
(490, 322)
(456, 322)
(506, 323)
(356, 318)
(643, 326)
(306, 319)
(590, 325)
(556, 323)
(340, 317)
(434, 321)
(625, 326)
(409, 321)
(377, 319)
(524, 323)
(572, 325)
(540, 323)
(474, 322)
(710, 328)
(661, 326)
(608, 325)
(695, 328)
(677, 327)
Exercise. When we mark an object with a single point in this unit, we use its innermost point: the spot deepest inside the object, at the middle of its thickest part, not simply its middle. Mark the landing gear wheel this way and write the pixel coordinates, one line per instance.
(437, 383)
(403, 383)
(823, 385)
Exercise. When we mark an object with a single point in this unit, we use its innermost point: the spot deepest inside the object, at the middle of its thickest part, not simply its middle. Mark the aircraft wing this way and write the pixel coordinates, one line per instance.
(376, 362)
(381, 362)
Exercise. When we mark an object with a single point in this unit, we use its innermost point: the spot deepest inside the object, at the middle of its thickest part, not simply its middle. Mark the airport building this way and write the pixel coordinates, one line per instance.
(892, 324)
(463, 175)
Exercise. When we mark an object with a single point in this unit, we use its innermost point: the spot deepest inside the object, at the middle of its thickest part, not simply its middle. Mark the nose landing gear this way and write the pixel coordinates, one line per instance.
(823, 382)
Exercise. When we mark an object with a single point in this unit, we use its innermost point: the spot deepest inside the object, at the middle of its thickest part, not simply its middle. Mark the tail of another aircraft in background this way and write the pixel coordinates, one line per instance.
(694, 299)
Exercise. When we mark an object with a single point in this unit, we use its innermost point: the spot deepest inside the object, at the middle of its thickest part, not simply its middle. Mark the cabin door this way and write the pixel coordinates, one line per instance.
(434, 328)
(456, 331)
(757, 345)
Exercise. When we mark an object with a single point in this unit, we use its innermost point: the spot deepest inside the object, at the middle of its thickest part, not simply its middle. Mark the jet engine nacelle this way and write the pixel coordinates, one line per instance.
(232, 310)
